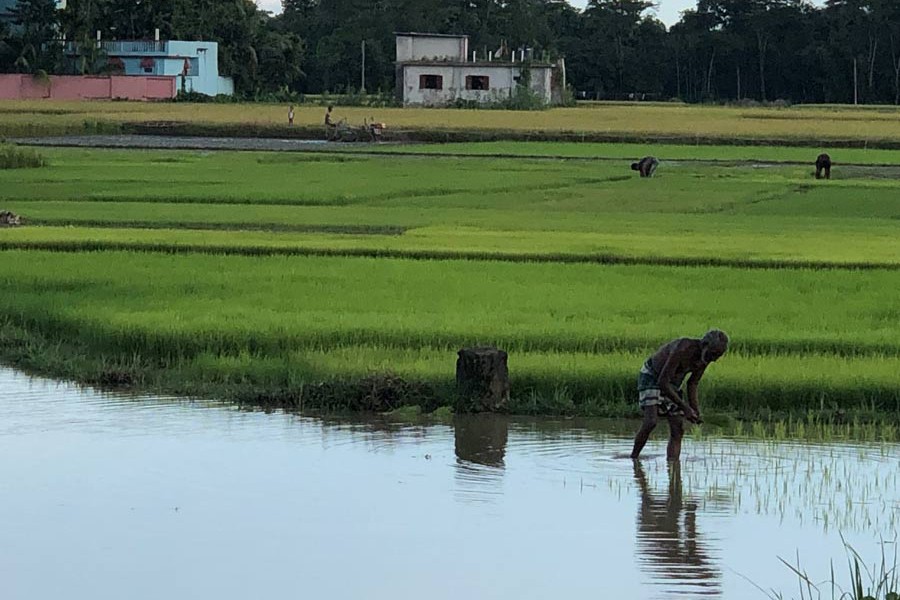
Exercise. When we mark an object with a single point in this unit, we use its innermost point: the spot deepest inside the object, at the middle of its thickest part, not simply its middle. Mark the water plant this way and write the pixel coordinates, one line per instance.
(880, 581)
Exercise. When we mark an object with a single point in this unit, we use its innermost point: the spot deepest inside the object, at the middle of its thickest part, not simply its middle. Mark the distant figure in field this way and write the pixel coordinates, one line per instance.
(646, 166)
(291, 115)
(659, 387)
(330, 125)
(823, 166)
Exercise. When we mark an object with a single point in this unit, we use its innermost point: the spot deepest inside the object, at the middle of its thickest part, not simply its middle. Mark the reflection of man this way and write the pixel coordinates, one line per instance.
(667, 538)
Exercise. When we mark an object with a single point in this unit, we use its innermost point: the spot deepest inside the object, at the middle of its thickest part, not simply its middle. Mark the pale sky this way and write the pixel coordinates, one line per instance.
(668, 9)
(668, 12)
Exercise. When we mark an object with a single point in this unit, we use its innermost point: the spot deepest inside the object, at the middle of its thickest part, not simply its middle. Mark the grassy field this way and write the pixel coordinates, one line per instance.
(865, 127)
(288, 279)
(531, 209)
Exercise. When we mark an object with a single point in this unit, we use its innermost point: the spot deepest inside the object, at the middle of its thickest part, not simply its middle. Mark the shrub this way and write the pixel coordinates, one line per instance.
(14, 157)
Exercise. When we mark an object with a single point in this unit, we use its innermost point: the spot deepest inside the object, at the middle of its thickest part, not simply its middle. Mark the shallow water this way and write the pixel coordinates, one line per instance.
(103, 496)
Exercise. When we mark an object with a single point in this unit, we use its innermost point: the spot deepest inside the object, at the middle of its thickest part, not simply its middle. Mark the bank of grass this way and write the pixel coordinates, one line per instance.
(204, 306)
(301, 332)
(805, 247)
(847, 126)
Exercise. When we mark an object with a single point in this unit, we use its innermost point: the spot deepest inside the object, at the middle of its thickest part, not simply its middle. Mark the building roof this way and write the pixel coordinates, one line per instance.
(481, 64)
(431, 35)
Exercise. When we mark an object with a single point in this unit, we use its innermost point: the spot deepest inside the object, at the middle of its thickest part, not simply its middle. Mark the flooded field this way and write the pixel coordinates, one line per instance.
(112, 497)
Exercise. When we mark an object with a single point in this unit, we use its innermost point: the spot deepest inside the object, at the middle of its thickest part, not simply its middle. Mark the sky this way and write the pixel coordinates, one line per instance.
(668, 9)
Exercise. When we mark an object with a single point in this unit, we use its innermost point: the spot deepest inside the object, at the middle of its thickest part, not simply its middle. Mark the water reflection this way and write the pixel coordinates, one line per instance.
(550, 497)
(481, 440)
(670, 547)
(480, 444)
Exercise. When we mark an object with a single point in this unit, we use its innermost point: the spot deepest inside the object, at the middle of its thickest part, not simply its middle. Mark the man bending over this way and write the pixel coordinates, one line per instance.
(646, 166)
(660, 381)
(823, 166)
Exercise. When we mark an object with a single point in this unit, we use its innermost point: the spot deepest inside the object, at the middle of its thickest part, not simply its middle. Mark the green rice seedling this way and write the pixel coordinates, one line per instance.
(258, 278)
(878, 582)
(503, 211)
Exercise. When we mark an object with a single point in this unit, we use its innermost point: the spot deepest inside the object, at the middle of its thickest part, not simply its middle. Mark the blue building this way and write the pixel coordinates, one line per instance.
(195, 65)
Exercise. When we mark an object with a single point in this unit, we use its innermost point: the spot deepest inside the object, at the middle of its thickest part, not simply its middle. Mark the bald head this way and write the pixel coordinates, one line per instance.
(714, 344)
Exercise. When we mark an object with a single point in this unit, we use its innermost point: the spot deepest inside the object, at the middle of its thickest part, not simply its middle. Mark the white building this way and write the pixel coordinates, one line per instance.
(437, 70)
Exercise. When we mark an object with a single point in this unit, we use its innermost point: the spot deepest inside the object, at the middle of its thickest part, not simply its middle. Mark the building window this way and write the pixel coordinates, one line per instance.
(478, 82)
(115, 65)
(431, 82)
(148, 65)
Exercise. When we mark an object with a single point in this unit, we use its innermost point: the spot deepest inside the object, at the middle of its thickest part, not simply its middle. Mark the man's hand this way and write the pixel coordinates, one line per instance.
(691, 415)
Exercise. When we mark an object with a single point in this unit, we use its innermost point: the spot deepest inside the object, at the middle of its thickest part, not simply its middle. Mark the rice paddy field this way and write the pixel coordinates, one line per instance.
(864, 127)
(299, 279)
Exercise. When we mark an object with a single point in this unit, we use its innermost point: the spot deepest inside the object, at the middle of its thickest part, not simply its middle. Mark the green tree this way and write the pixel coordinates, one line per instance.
(609, 59)
(37, 47)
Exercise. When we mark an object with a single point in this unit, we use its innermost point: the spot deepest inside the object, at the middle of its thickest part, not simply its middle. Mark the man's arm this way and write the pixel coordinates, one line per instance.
(693, 384)
(677, 354)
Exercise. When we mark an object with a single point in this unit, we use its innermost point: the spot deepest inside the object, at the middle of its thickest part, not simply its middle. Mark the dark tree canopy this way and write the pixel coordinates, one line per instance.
(845, 51)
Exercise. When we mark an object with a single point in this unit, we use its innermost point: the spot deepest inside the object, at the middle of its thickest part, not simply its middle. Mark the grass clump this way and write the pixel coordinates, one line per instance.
(880, 581)
(16, 157)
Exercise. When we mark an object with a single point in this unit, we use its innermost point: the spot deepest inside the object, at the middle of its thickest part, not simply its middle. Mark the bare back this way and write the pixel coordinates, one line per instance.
(684, 353)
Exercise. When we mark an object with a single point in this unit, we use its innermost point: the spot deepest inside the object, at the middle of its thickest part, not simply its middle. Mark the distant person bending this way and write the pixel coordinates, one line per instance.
(646, 166)
(823, 166)
(659, 387)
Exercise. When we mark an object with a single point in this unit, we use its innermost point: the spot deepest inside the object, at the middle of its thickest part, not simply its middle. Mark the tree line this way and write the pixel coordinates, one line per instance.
(721, 50)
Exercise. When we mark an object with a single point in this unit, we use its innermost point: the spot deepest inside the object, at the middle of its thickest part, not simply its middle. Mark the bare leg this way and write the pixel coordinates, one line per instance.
(643, 434)
(676, 432)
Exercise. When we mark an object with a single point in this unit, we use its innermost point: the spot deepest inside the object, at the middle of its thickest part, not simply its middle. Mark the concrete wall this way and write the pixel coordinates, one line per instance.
(417, 47)
(25, 87)
(501, 84)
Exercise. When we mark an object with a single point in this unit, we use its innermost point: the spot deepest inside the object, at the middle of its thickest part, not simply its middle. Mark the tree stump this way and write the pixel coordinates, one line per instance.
(482, 380)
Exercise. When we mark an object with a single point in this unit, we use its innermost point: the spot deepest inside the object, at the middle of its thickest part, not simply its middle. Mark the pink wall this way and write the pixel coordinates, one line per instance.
(61, 87)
